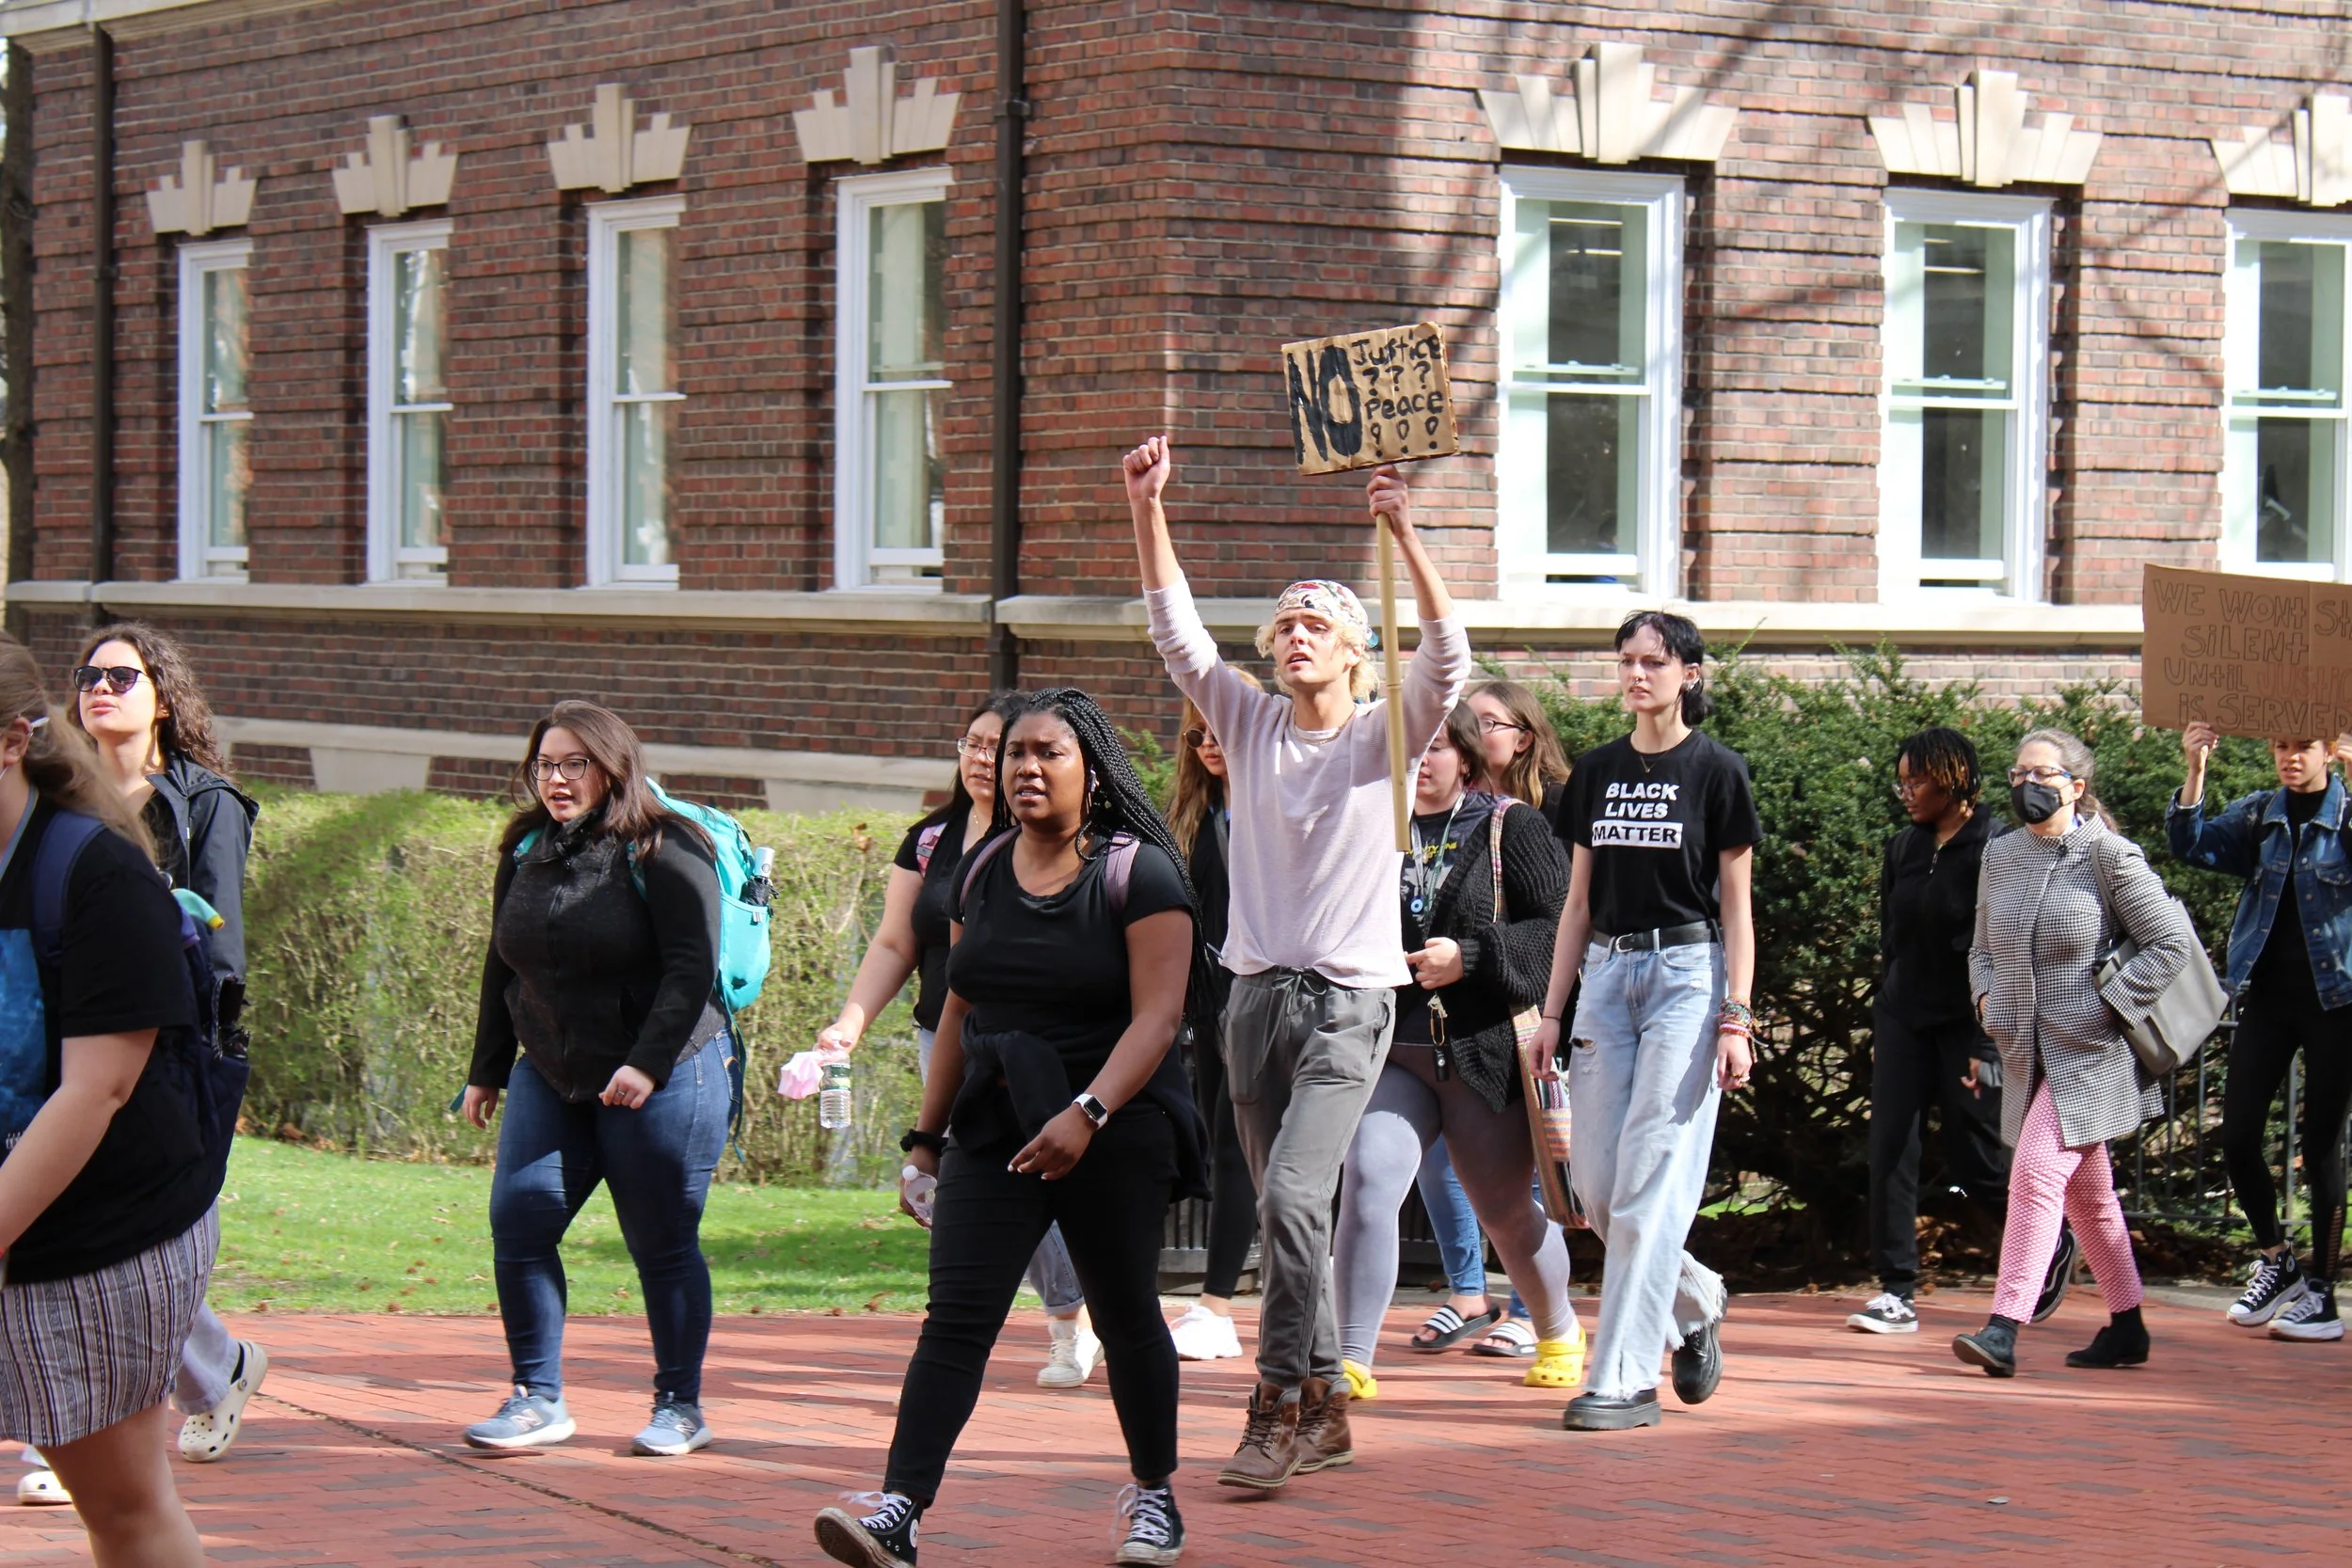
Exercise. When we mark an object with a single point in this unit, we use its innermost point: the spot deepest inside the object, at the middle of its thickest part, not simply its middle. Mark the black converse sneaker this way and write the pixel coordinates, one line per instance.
(1155, 1532)
(2275, 1281)
(883, 1539)
(2312, 1316)
(1885, 1313)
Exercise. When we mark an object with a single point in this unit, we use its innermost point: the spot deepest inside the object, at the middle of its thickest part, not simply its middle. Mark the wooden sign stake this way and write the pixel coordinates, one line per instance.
(1392, 681)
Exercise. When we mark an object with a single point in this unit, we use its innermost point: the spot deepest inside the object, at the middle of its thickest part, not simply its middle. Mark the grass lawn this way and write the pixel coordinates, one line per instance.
(307, 1232)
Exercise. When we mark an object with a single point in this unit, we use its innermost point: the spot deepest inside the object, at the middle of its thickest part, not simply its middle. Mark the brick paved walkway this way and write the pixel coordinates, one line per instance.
(1823, 1447)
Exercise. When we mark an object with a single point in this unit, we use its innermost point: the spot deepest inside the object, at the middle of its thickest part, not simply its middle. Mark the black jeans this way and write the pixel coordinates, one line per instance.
(1233, 1197)
(1112, 1208)
(1911, 1070)
(2274, 1022)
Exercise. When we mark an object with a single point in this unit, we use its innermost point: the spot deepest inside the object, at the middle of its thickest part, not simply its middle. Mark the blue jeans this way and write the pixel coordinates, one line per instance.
(1052, 1274)
(1641, 1087)
(658, 1162)
(1454, 1225)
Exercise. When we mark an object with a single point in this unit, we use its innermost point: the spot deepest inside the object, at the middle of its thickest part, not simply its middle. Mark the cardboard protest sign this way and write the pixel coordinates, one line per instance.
(2269, 657)
(1369, 398)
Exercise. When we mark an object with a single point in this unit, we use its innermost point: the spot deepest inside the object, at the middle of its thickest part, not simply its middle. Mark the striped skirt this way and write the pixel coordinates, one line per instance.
(81, 1355)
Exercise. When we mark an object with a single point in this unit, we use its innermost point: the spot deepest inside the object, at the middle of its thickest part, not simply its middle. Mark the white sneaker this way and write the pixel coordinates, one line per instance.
(1885, 1313)
(1200, 1335)
(208, 1437)
(1075, 1353)
(41, 1489)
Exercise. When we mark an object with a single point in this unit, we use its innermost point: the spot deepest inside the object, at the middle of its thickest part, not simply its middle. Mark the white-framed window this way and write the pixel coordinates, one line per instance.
(890, 475)
(2283, 495)
(1963, 453)
(408, 400)
(1588, 477)
(215, 415)
(633, 395)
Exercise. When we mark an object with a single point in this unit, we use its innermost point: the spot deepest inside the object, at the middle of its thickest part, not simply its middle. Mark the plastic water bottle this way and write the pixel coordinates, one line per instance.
(832, 1097)
(921, 1189)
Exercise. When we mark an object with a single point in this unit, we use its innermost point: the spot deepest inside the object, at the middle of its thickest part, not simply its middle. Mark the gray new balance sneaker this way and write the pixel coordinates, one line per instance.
(524, 1422)
(675, 1428)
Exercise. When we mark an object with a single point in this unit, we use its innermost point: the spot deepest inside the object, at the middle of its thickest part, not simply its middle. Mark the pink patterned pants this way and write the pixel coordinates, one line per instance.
(2045, 1178)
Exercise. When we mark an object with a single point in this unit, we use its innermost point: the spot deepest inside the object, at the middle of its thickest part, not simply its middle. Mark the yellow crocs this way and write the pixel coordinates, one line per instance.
(1559, 1363)
(1361, 1385)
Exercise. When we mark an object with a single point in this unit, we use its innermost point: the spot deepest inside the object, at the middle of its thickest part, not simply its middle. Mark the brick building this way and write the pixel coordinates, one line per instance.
(453, 355)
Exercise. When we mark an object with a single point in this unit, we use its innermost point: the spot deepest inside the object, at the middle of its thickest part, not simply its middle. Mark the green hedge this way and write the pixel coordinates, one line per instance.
(369, 916)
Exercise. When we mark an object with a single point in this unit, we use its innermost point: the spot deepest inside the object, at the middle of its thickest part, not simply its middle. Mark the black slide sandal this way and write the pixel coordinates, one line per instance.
(1448, 1328)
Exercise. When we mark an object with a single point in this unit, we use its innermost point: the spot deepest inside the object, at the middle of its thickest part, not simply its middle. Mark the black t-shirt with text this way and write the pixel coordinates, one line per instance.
(123, 970)
(1655, 825)
(933, 903)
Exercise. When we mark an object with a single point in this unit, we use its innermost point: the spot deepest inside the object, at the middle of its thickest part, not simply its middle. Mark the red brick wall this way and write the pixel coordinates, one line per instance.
(1204, 182)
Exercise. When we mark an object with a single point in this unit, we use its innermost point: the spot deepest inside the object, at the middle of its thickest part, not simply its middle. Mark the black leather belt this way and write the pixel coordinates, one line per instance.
(1664, 936)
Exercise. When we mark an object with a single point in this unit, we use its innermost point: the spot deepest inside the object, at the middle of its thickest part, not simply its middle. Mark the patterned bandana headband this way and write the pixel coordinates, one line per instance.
(1334, 601)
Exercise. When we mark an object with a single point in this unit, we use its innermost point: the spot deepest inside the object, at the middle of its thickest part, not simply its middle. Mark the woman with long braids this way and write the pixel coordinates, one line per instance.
(1200, 820)
(1074, 950)
(2048, 900)
(911, 940)
(138, 697)
(1664, 824)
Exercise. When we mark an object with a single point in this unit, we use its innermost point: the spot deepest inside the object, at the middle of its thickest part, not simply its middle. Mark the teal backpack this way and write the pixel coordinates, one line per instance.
(744, 892)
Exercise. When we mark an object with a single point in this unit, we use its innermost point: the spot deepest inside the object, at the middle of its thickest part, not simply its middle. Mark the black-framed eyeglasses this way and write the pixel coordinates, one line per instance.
(1496, 726)
(574, 769)
(2038, 775)
(116, 678)
(1195, 737)
(978, 751)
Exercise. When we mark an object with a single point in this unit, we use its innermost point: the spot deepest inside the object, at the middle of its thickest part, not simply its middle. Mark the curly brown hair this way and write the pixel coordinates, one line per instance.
(183, 720)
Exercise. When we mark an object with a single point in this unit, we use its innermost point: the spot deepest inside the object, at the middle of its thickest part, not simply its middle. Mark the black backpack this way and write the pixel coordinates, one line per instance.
(206, 1061)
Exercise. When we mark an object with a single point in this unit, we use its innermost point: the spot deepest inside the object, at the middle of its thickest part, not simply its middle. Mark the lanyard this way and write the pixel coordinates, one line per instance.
(1417, 869)
(7, 856)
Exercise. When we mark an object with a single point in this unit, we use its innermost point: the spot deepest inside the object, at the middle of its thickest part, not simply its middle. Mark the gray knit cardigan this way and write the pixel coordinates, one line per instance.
(2040, 929)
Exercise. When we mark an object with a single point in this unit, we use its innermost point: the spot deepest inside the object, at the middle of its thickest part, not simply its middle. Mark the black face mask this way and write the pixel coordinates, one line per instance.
(2035, 802)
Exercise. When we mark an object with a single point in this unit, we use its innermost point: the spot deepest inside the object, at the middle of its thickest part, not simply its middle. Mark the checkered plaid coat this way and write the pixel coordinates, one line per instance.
(2040, 929)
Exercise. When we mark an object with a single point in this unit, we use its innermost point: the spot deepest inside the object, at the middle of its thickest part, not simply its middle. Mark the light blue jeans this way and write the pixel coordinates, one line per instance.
(1052, 1274)
(1642, 1088)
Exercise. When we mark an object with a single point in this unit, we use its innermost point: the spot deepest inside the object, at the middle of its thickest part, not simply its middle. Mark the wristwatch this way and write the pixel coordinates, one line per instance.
(1096, 1112)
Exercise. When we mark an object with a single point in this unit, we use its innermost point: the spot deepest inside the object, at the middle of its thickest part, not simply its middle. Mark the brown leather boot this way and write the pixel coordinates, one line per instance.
(1269, 1448)
(1324, 1439)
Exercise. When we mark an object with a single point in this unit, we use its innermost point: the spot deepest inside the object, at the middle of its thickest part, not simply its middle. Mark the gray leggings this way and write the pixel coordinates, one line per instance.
(1496, 1161)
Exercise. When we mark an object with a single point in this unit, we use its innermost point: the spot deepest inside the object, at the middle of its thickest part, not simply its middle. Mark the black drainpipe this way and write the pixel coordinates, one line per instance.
(16, 303)
(102, 321)
(1013, 113)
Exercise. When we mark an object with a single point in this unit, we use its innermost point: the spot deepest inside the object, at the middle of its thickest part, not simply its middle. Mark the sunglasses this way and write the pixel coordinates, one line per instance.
(116, 678)
(1195, 737)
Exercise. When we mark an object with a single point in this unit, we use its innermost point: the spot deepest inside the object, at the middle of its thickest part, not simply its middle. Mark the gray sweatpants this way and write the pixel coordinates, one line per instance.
(1495, 1159)
(1301, 1057)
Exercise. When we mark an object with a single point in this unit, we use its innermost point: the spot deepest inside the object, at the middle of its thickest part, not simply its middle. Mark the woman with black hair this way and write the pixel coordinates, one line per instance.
(912, 940)
(1074, 952)
(1662, 824)
(1927, 1048)
(138, 698)
(604, 950)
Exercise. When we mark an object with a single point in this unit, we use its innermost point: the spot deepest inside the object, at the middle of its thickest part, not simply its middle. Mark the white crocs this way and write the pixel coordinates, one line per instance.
(206, 1438)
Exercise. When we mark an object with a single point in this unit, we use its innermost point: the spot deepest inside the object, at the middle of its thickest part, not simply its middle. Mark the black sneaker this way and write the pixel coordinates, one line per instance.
(1698, 1366)
(1885, 1313)
(1155, 1531)
(883, 1539)
(2274, 1282)
(2313, 1317)
(1994, 1347)
(2061, 1275)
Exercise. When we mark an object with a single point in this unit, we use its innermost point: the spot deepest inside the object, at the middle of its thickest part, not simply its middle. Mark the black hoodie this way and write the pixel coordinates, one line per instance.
(1926, 919)
(203, 830)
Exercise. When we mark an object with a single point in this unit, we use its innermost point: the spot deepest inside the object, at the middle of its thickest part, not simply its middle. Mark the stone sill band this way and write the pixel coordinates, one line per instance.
(1930, 621)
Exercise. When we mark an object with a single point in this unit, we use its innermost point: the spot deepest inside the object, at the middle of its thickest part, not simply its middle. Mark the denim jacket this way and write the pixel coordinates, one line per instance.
(2250, 839)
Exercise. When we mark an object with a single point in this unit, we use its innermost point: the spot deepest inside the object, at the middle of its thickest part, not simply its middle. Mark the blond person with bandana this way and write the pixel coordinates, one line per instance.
(1314, 938)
